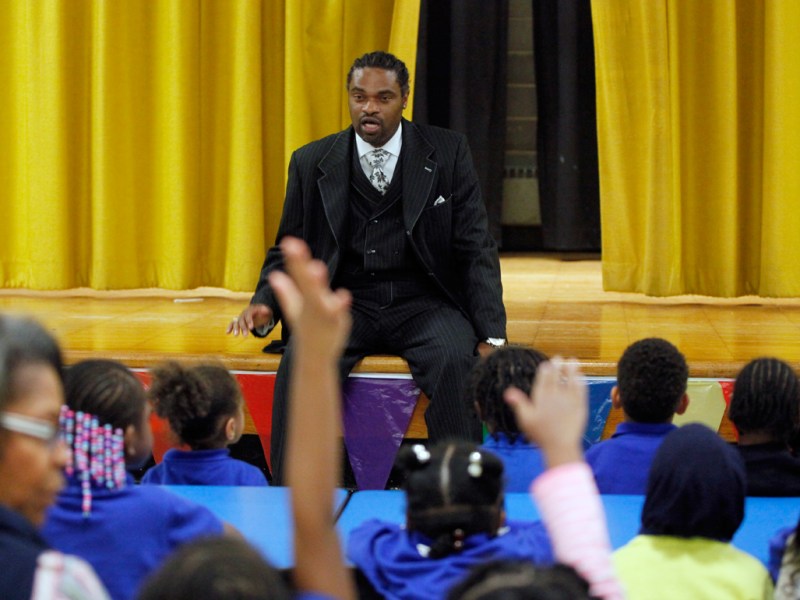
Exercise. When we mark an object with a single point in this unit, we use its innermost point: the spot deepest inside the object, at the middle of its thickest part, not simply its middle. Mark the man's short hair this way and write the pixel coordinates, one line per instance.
(385, 61)
(651, 378)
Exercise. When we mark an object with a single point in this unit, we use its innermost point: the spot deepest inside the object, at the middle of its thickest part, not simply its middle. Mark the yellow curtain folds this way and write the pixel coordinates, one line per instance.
(145, 144)
(697, 109)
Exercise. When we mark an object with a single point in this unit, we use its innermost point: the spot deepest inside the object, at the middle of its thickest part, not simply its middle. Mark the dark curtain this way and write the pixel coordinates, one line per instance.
(461, 83)
(567, 125)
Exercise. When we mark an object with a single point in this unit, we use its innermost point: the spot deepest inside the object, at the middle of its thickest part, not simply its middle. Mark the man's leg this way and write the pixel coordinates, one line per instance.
(439, 345)
(280, 409)
(361, 342)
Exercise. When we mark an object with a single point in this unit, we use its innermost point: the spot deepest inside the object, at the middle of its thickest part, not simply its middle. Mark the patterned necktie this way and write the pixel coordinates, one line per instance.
(376, 159)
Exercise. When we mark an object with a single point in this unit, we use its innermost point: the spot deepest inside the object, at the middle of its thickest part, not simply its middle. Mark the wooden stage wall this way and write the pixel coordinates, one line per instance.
(554, 303)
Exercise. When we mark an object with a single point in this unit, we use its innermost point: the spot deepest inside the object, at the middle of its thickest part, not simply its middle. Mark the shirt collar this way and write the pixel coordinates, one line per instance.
(392, 146)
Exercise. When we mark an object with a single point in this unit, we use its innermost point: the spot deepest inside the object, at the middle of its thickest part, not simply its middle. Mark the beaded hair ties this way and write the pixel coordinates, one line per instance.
(96, 453)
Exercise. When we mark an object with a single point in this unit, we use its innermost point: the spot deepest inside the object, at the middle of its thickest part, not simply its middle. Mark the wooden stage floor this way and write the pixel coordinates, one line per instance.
(556, 305)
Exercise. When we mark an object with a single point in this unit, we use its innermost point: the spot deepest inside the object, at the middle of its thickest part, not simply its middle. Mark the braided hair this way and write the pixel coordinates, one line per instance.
(197, 401)
(107, 389)
(652, 376)
(510, 366)
(766, 399)
(453, 490)
(104, 398)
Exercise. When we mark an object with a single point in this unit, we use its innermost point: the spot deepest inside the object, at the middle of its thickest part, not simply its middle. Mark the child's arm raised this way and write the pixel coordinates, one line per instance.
(320, 322)
(554, 416)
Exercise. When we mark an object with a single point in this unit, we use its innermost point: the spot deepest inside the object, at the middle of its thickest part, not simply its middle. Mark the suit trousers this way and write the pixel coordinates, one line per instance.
(415, 321)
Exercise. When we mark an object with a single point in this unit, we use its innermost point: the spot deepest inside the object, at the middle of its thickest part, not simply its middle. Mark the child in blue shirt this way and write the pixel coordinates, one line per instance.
(455, 519)
(652, 376)
(510, 366)
(205, 410)
(122, 529)
(223, 569)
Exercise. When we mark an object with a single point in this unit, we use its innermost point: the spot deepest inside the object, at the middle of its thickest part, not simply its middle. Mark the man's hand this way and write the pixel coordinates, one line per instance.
(555, 414)
(252, 317)
(485, 349)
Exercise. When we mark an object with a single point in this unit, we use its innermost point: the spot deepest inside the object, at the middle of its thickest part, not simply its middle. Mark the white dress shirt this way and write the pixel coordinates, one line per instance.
(392, 147)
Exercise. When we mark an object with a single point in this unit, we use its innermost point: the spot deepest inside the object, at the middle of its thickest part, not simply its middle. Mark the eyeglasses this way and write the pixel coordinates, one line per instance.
(35, 428)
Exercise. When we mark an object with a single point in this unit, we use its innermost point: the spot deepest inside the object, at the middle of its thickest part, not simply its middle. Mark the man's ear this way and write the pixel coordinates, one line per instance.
(615, 400)
(683, 404)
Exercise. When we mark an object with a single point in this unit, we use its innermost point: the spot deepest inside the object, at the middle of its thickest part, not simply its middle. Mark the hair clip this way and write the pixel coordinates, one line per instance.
(475, 468)
(421, 452)
(458, 539)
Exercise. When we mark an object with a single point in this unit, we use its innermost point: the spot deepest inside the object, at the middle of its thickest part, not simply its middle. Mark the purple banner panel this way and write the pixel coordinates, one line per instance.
(376, 416)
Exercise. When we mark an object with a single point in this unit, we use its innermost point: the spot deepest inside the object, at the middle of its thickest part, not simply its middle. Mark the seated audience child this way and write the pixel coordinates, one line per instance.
(492, 376)
(32, 459)
(215, 569)
(693, 506)
(454, 519)
(122, 529)
(205, 410)
(651, 389)
(765, 408)
(555, 416)
(320, 321)
(520, 580)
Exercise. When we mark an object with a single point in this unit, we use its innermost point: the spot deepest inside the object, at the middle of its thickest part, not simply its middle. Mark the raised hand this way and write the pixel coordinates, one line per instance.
(555, 414)
(319, 317)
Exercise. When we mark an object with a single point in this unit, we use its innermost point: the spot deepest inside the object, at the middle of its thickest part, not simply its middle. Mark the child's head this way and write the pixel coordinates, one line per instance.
(203, 404)
(215, 569)
(511, 366)
(453, 490)
(696, 486)
(651, 381)
(112, 393)
(32, 458)
(520, 580)
(766, 401)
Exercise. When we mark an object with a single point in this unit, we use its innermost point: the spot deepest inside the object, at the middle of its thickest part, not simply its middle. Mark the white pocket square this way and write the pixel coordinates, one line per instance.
(439, 200)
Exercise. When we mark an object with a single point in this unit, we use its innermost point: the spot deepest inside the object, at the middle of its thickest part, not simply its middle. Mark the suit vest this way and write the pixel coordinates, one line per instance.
(375, 247)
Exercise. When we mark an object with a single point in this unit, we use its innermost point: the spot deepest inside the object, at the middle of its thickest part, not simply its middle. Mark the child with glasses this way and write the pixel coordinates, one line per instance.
(32, 458)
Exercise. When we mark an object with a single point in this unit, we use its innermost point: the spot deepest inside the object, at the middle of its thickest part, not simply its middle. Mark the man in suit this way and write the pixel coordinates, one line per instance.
(394, 210)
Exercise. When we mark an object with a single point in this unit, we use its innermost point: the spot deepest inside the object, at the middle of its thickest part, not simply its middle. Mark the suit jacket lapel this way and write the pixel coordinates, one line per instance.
(419, 173)
(335, 182)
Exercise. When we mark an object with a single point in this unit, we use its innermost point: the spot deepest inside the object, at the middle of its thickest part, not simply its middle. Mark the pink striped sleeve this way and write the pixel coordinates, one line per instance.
(573, 514)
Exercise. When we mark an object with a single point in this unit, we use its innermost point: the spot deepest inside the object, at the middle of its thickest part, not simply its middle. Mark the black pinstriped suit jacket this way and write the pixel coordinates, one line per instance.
(450, 238)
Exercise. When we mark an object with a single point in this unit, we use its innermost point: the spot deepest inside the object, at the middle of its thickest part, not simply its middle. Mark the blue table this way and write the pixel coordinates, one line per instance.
(262, 514)
(763, 516)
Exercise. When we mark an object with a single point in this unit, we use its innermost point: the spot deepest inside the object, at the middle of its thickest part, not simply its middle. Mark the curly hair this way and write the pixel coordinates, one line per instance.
(215, 568)
(766, 399)
(511, 366)
(652, 376)
(520, 580)
(197, 401)
(453, 490)
(385, 61)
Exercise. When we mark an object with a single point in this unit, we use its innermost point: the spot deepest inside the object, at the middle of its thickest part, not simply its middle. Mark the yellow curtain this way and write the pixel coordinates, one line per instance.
(145, 144)
(698, 122)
